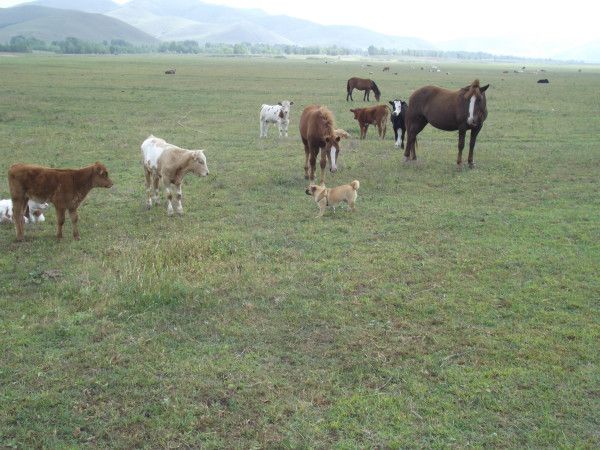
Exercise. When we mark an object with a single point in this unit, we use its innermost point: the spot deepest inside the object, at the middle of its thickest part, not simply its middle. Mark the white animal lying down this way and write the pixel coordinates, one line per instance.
(33, 213)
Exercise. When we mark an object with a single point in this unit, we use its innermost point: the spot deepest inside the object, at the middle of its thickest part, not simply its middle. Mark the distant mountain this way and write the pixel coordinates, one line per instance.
(204, 22)
(51, 24)
(91, 6)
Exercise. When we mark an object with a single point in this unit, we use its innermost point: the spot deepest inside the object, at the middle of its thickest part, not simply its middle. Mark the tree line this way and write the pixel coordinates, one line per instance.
(72, 45)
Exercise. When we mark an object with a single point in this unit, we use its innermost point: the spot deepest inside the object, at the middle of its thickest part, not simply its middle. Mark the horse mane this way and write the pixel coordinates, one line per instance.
(375, 88)
(327, 120)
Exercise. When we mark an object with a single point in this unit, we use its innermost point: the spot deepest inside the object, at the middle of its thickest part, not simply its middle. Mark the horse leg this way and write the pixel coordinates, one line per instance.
(461, 146)
(414, 127)
(323, 164)
(306, 155)
(474, 133)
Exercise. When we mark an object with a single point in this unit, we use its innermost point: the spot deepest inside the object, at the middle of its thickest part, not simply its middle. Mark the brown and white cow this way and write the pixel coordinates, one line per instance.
(170, 163)
(64, 188)
(373, 115)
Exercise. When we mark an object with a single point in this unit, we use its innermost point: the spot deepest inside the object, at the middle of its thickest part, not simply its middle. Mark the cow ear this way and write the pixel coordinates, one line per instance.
(351, 110)
(484, 88)
(291, 103)
(391, 103)
(279, 103)
(327, 139)
(337, 139)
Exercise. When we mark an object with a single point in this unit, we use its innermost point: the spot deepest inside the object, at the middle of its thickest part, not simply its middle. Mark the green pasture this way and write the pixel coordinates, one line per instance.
(452, 309)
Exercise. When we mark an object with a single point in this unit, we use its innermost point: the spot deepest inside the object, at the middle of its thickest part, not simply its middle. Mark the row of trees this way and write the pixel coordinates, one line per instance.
(71, 45)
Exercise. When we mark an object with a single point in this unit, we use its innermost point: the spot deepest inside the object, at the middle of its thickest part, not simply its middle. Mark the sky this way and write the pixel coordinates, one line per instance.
(534, 25)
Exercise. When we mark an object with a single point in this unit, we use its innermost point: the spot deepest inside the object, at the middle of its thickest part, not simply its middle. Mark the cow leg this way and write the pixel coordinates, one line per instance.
(384, 129)
(402, 143)
(474, 133)
(179, 195)
(74, 218)
(60, 221)
(349, 95)
(396, 140)
(155, 183)
(19, 217)
(148, 175)
(169, 197)
(461, 146)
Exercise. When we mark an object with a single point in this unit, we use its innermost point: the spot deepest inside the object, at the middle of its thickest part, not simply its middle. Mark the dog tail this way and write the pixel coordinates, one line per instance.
(355, 185)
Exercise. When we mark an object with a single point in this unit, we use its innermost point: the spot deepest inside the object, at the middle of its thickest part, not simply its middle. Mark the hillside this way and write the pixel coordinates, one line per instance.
(51, 24)
(91, 6)
(204, 22)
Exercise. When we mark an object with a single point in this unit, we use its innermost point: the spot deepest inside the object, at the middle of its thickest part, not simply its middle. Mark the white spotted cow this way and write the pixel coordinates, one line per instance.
(279, 114)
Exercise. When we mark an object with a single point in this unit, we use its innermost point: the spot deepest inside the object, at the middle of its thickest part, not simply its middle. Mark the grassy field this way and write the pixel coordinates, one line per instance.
(451, 309)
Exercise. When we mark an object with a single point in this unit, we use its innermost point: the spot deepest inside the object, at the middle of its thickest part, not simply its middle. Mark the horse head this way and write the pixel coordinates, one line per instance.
(332, 150)
(476, 104)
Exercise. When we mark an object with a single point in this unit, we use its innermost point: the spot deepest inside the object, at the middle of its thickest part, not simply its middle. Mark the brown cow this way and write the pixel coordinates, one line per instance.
(64, 188)
(374, 115)
(318, 132)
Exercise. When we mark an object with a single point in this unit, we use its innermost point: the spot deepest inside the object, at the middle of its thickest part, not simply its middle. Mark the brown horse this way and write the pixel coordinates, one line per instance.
(362, 84)
(317, 130)
(447, 110)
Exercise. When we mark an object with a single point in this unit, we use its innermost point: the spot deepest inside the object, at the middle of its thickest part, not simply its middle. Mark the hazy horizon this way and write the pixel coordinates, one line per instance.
(528, 29)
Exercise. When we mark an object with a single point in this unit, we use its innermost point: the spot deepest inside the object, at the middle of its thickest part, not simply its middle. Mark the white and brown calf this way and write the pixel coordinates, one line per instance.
(279, 114)
(170, 163)
(34, 212)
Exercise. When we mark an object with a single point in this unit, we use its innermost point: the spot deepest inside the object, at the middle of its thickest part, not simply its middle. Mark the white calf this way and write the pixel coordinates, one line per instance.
(171, 163)
(33, 213)
(279, 114)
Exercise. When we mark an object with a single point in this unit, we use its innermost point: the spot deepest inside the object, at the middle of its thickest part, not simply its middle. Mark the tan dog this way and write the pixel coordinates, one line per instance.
(332, 197)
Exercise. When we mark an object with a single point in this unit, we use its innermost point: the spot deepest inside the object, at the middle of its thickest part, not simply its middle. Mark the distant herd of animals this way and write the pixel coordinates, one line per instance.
(31, 186)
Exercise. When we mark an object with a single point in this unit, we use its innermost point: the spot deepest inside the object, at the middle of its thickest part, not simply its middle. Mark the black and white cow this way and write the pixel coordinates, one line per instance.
(398, 112)
(279, 114)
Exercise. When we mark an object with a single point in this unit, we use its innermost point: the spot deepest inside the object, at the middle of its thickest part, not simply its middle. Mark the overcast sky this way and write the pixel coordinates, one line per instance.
(533, 22)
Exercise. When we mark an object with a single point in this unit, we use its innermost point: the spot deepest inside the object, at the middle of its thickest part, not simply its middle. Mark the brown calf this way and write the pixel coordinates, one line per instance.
(374, 115)
(64, 188)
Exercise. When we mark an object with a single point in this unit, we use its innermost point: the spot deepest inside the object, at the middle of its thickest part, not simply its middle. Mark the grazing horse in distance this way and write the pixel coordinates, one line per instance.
(362, 84)
(318, 133)
(447, 110)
